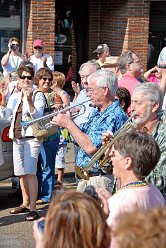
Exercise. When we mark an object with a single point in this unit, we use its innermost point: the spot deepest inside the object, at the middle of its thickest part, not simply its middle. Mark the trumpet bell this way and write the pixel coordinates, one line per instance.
(82, 172)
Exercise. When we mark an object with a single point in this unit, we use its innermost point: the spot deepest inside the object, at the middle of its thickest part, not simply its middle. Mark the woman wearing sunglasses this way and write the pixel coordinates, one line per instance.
(46, 162)
(12, 59)
(26, 147)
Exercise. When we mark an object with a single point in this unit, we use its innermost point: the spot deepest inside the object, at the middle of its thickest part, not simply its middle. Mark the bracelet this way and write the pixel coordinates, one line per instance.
(3, 105)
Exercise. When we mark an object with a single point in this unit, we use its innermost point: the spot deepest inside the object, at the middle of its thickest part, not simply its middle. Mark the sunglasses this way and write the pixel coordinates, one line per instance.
(15, 45)
(162, 66)
(38, 48)
(45, 79)
(28, 77)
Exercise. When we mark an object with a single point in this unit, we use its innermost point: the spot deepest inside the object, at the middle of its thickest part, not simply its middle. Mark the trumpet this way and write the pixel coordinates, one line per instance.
(44, 121)
(83, 172)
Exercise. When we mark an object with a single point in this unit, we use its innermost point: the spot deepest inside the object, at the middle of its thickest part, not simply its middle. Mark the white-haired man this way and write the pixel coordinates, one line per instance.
(107, 115)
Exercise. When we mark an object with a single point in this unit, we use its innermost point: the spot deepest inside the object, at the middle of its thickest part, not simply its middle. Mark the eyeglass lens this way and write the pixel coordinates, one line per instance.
(45, 79)
(28, 77)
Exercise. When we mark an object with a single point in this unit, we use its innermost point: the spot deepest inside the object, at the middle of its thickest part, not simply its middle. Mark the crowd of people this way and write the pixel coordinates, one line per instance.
(133, 176)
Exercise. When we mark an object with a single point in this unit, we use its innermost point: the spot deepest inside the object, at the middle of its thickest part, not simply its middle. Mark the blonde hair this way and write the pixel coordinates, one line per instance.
(59, 77)
(75, 219)
(141, 228)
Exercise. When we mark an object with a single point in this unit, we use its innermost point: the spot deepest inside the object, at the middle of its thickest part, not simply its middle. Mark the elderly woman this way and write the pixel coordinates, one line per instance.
(26, 147)
(134, 155)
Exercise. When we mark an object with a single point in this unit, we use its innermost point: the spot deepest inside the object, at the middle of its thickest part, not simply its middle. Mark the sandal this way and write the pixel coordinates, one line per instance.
(40, 202)
(32, 215)
(19, 209)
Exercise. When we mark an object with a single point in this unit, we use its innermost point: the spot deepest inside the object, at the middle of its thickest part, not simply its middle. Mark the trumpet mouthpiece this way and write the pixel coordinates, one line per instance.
(133, 114)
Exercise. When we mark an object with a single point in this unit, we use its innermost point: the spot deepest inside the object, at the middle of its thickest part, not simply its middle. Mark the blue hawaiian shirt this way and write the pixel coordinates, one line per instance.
(112, 118)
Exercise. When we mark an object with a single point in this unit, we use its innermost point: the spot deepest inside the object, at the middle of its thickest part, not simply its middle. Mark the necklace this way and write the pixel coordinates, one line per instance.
(134, 184)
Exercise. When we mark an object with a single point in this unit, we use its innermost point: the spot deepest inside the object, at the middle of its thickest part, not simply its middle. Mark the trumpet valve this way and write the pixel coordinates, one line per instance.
(81, 172)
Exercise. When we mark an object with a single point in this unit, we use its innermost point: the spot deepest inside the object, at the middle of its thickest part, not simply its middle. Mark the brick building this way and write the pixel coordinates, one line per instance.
(122, 24)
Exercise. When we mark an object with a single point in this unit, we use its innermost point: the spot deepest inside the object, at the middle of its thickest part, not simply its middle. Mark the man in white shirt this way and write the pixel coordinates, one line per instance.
(39, 59)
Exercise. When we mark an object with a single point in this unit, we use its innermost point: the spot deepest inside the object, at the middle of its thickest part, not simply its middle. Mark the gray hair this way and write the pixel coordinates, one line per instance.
(92, 63)
(105, 78)
(124, 59)
(152, 92)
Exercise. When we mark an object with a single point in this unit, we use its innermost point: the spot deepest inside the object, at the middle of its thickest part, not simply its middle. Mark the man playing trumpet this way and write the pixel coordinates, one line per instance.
(146, 103)
(107, 115)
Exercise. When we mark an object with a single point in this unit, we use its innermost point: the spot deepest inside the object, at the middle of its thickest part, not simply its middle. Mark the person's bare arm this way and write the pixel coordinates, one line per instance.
(83, 140)
(147, 73)
(65, 99)
(163, 79)
(5, 58)
(76, 89)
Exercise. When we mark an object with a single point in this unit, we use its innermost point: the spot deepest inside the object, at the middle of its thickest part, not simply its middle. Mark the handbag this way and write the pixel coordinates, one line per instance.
(44, 129)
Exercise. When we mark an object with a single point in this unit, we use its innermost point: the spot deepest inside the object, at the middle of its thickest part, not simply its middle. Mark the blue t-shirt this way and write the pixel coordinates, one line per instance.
(112, 118)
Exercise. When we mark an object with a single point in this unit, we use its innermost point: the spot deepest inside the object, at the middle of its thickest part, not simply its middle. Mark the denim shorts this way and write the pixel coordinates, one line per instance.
(25, 155)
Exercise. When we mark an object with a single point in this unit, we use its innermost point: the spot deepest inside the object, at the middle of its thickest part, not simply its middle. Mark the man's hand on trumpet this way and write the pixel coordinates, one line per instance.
(62, 120)
(107, 137)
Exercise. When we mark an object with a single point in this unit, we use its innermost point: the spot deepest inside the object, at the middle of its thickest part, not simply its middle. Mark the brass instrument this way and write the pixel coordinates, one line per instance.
(83, 172)
(44, 121)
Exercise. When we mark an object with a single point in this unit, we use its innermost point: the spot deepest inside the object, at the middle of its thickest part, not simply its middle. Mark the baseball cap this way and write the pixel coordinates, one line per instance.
(101, 48)
(38, 43)
(110, 62)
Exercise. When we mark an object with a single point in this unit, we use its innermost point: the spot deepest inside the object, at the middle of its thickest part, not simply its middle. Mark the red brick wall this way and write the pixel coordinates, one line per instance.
(123, 25)
(119, 23)
(41, 24)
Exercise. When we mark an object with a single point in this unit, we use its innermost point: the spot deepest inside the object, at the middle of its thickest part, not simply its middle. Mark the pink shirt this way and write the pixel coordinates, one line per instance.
(127, 199)
(153, 78)
(128, 82)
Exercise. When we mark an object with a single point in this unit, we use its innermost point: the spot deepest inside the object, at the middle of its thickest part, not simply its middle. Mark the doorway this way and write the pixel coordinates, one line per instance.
(157, 31)
(72, 35)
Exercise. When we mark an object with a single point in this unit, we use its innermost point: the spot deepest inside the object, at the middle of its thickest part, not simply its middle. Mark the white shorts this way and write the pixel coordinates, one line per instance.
(25, 156)
(60, 157)
(104, 181)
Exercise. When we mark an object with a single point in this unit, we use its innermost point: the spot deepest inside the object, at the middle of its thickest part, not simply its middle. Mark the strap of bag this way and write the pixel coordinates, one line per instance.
(46, 103)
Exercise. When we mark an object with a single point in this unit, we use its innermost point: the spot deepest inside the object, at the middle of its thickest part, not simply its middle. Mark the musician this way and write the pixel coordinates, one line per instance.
(107, 115)
(146, 102)
(25, 146)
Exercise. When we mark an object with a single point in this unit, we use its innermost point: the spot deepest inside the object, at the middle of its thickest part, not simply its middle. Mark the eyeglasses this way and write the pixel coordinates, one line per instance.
(93, 90)
(38, 48)
(45, 79)
(28, 77)
(17, 45)
(162, 66)
(137, 61)
(84, 76)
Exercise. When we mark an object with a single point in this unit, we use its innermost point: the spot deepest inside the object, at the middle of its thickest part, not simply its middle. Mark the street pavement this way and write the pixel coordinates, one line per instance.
(14, 230)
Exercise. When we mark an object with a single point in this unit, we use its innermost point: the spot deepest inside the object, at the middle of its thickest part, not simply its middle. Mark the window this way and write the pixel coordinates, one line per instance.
(10, 23)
